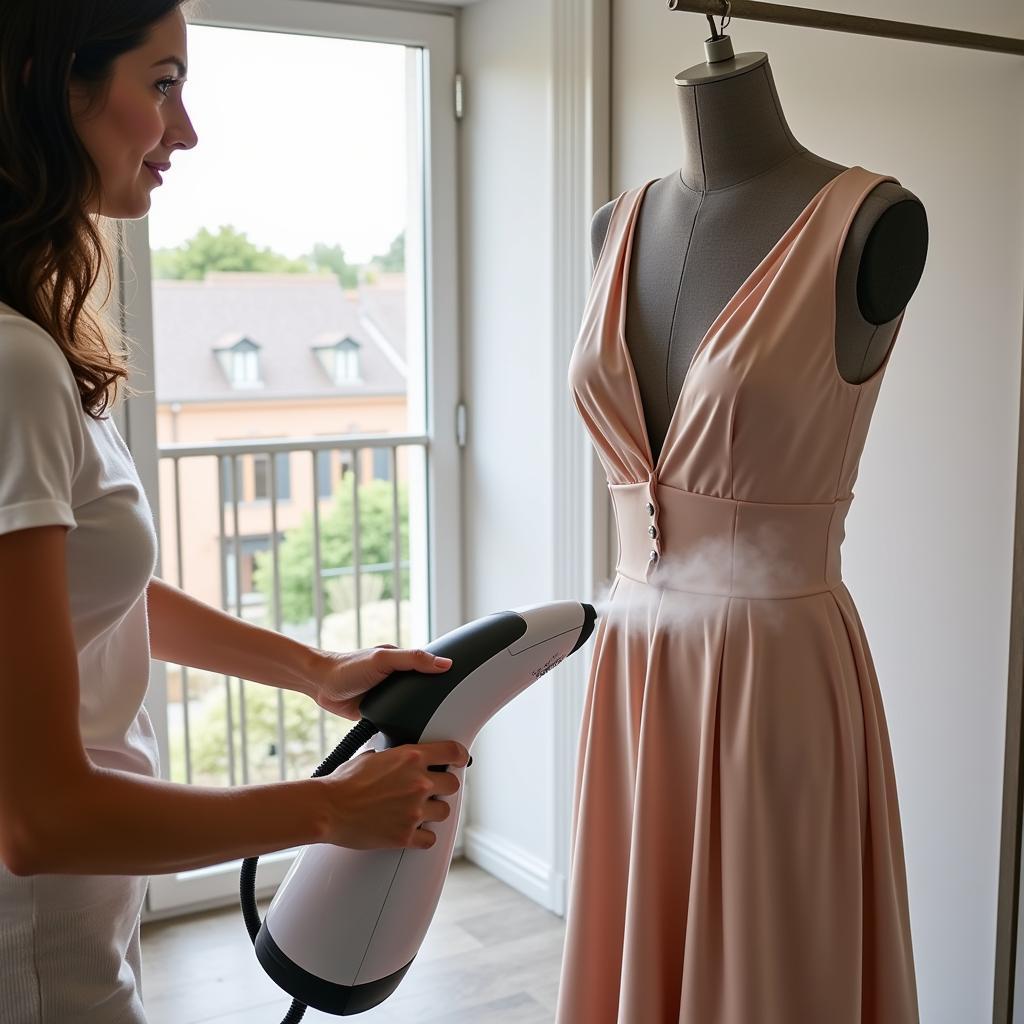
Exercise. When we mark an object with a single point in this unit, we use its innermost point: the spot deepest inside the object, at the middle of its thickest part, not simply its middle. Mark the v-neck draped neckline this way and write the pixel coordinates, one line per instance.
(654, 466)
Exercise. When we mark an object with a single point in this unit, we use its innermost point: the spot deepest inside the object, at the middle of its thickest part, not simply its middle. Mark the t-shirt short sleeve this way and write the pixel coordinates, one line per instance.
(41, 431)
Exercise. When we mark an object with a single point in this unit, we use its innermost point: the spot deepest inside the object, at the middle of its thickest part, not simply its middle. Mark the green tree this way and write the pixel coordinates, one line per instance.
(209, 742)
(394, 259)
(295, 553)
(332, 258)
(227, 250)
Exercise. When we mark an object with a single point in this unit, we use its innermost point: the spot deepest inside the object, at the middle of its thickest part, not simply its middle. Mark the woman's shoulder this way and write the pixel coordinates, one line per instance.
(30, 356)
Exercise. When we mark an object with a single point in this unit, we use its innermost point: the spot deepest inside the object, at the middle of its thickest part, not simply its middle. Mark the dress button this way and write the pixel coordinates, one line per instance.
(650, 509)
(653, 531)
(654, 556)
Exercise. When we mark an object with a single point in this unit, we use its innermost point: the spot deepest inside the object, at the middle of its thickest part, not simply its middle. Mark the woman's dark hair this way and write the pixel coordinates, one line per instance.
(52, 249)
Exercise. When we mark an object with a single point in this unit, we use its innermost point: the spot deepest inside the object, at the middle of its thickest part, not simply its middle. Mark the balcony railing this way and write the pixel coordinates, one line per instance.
(227, 454)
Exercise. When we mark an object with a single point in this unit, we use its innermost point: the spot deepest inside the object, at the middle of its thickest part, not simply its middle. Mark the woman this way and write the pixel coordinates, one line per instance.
(91, 111)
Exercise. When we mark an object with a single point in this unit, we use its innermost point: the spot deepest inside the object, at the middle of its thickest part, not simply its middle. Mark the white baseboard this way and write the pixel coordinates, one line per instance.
(512, 865)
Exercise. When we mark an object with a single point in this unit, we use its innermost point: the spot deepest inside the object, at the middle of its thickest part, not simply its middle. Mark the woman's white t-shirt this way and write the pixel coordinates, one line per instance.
(69, 944)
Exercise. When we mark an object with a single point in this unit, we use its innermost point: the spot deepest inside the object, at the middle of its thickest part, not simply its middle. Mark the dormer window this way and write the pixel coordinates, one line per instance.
(245, 365)
(346, 362)
(240, 362)
(340, 360)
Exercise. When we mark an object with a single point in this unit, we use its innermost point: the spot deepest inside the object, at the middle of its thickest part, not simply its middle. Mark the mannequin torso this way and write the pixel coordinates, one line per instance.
(702, 230)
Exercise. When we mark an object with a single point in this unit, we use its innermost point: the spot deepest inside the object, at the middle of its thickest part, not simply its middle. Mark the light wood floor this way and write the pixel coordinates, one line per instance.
(492, 956)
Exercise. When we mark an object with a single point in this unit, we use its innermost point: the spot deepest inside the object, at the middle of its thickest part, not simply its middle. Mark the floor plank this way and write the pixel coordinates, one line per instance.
(491, 955)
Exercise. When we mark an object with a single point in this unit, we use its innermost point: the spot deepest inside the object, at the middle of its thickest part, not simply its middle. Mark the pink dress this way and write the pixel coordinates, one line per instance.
(737, 855)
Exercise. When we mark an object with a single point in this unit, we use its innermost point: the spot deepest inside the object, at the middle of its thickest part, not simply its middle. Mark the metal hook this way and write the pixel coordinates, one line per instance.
(716, 33)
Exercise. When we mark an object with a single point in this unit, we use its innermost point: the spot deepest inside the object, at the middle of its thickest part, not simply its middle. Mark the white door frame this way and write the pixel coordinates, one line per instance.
(581, 173)
(438, 257)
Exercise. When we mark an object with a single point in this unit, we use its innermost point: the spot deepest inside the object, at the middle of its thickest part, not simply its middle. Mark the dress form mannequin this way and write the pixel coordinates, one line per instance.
(702, 230)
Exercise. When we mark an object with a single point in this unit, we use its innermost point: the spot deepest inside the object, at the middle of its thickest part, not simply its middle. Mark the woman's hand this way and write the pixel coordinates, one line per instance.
(341, 678)
(380, 799)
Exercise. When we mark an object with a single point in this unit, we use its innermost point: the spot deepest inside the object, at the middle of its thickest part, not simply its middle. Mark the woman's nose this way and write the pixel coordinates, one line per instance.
(181, 134)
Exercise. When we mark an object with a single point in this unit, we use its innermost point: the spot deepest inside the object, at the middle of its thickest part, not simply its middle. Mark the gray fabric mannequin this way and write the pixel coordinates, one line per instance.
(702, 230)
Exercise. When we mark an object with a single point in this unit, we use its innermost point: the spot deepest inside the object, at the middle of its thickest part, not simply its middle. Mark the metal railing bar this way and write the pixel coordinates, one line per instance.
(348, 570)
(396, 553)
(356, 553)
(221, 462)
(238, 611)
(181, 586)
(256, 446)
(276, 592)
(318, 584)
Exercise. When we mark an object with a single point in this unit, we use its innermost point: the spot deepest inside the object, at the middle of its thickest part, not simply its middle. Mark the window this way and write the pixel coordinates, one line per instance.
(261, 476)
(324, 474)
(245, 366)
(340, 360)
(240, 361)
(283, 469)
(227, 491)
(250, 547)
(346, 362)
(230, 301)
(381, 463)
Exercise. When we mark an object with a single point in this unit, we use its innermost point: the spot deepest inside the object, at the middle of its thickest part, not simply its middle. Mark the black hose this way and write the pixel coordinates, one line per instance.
(356, 737)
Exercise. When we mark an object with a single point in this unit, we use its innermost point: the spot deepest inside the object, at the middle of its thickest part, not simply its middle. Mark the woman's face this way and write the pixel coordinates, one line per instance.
(131, 133)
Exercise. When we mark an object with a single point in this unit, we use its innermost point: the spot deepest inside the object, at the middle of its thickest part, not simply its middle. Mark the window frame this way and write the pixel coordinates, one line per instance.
(432, 252)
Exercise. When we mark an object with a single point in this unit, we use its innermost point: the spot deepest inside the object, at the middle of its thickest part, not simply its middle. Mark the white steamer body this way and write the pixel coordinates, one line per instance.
(355, 918)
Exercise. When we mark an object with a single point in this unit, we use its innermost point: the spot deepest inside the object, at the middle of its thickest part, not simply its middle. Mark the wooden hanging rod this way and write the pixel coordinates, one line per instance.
(754, 10)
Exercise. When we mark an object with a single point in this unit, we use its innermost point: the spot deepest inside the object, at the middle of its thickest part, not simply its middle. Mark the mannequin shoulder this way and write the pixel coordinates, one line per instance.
(657, 198)
(599, 228)
(888, 243)
(655, 193)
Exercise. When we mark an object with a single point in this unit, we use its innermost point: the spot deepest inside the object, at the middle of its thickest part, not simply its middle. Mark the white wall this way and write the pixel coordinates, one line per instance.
(506, 274)
(928, 549)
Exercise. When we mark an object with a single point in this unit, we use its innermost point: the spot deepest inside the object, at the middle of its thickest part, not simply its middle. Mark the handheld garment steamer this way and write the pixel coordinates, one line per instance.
(345, 925)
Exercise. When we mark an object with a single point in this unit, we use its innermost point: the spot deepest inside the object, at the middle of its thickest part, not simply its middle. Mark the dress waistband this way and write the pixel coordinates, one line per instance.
(681, 540)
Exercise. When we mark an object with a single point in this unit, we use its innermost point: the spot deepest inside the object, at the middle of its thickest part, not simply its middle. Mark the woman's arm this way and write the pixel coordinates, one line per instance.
(105, 822)
(186, 631)
(60, 813)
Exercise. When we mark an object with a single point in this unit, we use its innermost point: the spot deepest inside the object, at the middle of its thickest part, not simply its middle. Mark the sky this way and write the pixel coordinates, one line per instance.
(301, 140)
